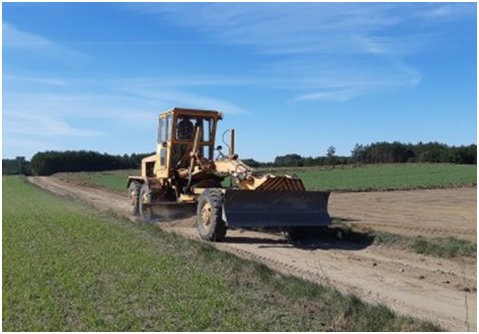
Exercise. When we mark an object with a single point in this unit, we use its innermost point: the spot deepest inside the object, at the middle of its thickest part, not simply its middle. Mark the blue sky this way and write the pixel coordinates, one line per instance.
(290, 78)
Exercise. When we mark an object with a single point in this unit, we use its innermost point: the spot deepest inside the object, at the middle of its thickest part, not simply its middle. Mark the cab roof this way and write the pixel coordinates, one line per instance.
(193, 113)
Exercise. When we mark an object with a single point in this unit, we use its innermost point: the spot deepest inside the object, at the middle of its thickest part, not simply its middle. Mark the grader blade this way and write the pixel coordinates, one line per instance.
(249, 208)
(167, 211)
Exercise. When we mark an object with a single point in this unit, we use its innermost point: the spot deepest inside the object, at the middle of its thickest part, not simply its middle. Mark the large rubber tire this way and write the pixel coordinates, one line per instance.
(144, 196)
(209, 221)
(133, 196)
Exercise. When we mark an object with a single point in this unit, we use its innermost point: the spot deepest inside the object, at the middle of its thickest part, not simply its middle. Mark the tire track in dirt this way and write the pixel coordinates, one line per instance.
(374, 274)
(428, 288)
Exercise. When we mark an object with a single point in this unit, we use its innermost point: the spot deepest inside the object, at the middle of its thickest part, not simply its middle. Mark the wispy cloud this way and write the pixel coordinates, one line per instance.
(315, 34)
(446, 11)
(106, 107)
(343, 79)
(80, 113)
(35, 122)
(286, 28)
(170, 97)
(197, 80)
(116, 101)
(17, 39)
(41, 125)
(173, 91)
(34, 80)
(198, 101)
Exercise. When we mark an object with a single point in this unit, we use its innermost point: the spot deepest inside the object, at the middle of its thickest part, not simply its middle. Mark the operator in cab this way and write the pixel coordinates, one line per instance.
(185, 129)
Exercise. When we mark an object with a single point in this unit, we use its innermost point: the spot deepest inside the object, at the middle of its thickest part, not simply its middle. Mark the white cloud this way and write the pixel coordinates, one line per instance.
(16, 39)
(172, 91)
(87, 114)
(447, 11)
(333, 95)
(34, 80)
(287, 28)
(168, 98)
(74, 114)
(65, 120)
(42, 126)
(342, 79)
(183, 81)
(304, 46)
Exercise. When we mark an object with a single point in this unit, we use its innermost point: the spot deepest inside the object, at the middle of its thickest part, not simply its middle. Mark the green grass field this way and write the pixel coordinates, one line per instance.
(67, 267)
(113, 180)
(387, 177)
(343, 178)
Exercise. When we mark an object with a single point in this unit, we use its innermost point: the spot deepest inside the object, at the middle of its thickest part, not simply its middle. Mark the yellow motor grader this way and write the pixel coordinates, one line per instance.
(184, 176)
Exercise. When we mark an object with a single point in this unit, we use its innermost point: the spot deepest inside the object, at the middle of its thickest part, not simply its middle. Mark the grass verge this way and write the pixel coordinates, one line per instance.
(444, 247)
(68, 268)
(115, 180)
(448, 247)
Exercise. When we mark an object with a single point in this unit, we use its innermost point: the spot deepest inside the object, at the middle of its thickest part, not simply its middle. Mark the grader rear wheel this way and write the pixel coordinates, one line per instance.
(144, 198)
(209, 219)
(133, 196)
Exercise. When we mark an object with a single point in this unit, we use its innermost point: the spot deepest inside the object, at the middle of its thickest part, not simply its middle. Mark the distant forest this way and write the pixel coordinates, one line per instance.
(51, 162)
(379, 153)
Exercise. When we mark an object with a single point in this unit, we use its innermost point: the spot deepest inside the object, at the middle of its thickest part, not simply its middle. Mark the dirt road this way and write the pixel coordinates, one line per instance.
(439, 290)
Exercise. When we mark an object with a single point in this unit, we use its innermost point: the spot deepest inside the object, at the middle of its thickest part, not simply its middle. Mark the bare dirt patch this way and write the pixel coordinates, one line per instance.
(439, 290)
(428, 213)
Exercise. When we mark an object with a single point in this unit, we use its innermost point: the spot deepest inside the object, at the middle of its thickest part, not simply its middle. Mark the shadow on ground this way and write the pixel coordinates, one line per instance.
(331, 238)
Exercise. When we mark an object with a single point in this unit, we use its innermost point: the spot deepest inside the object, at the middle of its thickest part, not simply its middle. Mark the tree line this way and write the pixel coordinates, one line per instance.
(396, 152)
(380, 152)
(51, 162)
(14, 167)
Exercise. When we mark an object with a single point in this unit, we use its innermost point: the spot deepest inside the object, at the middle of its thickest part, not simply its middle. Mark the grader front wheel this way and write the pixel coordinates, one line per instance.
(209, 220)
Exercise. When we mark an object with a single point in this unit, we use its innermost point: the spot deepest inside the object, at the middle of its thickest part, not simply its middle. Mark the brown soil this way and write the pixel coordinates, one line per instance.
(439, 290)
(430, 213)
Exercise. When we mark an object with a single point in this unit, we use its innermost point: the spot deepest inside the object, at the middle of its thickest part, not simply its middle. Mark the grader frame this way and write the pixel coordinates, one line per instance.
(183, 175)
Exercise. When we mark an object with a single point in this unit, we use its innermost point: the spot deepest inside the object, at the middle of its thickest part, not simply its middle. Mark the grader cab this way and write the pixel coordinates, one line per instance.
(185, 177)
